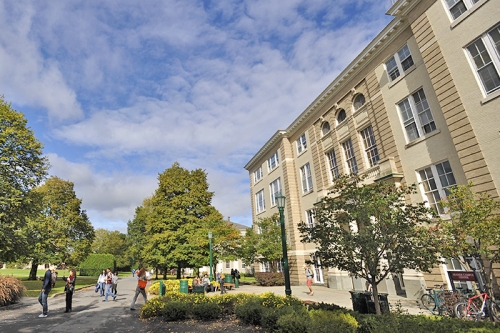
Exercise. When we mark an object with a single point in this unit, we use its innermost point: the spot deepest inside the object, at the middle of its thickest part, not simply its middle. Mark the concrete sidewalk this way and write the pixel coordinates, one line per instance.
(90, 314)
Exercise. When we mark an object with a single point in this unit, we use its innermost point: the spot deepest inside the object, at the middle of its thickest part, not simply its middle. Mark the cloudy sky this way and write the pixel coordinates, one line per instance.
(119, 90)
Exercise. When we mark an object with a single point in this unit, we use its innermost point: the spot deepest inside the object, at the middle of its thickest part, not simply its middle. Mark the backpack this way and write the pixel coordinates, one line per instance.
(142, 283)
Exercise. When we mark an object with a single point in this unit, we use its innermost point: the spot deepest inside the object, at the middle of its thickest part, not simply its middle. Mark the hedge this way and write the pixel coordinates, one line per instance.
(95, 263)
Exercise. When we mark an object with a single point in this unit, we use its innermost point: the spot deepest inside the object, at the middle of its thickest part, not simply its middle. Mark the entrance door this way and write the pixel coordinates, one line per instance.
(318, 271)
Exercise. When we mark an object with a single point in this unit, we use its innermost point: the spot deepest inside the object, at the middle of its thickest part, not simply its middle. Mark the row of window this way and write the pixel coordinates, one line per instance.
(274, 190)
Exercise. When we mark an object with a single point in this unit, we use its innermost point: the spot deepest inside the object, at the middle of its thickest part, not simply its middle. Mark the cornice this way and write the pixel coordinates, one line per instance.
(400, 8)
(262, 151)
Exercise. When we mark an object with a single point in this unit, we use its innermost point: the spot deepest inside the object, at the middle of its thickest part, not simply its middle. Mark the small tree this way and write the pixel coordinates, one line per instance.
(473, 228)
(371, 231)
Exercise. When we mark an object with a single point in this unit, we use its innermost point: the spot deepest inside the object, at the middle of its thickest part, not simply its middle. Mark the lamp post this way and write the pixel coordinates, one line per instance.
(280, 202)
(210, 240)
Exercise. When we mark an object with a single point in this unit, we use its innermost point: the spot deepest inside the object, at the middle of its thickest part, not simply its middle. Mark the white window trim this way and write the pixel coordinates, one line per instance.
(310, 218)
(259, 198)
(439, 186)
(347, 158)
(257, 175)
(368, 160)
(273, 191)
(301, 144)
(416, 116)
(399, 65)
(274, 156)
(468, 5)
(332, 167)
(306, 178)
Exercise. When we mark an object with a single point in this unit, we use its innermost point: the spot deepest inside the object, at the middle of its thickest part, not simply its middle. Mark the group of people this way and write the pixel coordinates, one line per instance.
(107, 283)
(205, 282)
(48, 282)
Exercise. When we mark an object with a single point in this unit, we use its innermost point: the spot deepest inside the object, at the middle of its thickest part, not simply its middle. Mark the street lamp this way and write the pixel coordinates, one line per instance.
(280, 202)
(210, 239)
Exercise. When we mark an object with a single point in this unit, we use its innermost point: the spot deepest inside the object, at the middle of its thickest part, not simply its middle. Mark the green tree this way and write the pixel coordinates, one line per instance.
(269, 244)
(136, 233)
(473, 228)
(112, 242)
(61, 232)
(22, 168)
(371, 231)
(179, 219)
(247, 250)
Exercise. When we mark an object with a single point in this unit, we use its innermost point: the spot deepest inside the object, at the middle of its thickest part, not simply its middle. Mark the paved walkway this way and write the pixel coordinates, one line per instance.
(90, 314)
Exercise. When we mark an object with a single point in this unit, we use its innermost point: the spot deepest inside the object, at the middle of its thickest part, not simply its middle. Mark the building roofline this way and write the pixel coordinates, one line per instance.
(278, 135)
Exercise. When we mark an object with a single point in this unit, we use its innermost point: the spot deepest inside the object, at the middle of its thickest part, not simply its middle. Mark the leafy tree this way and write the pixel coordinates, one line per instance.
(112, 242)
(371, 231)
(136, 233)
(473, 228)
(179, 219)
(247, 251)
(61, 231)
(22, 168)
(269, 243)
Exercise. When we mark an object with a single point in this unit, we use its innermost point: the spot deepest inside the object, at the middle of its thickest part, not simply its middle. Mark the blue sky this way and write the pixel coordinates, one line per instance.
(118, 91)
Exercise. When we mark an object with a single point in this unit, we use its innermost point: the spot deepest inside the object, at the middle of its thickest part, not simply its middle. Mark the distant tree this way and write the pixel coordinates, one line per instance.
(371, 231)
(473, 229)
(269, 243)
(112, 242)
(247, 250)
(61, 231)
(22, 168)
(136, 233)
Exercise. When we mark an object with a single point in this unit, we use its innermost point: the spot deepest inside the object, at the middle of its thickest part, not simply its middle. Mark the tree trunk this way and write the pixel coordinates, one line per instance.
(34, 266)
(375, 298)
(156, 270)
(178, 272)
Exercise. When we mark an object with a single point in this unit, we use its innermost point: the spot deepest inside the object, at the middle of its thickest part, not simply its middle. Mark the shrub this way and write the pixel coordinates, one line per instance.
(250, 312)
(11, 290)
(326, 307)
(270, 279)
(95, 263)
(152, 308)
(293, 323)
(174, 311)
(206, 311)
(270, 317)
(329, 322)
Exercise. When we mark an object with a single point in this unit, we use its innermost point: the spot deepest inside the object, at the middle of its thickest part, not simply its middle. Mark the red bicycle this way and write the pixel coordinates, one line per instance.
(478, 307)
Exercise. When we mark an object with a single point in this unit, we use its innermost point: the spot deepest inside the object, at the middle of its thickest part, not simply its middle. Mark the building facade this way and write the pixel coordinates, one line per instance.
(420, 104)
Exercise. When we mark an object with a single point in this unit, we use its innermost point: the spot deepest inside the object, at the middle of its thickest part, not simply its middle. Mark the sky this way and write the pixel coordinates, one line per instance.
(119, 90)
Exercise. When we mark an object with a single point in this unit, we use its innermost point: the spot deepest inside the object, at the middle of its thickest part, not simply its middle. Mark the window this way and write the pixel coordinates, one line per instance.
(310, 218)
(341, 115)
(305, 175)
(257, 175)
(352, 166)
(259, 201)
(371, 150)
(435, 180)
(399, 63)
(458, 7)
(416, 127)
(485, 54)
(272, 162)
(332, 163)
(359, 101)
(275, 189)
(301, 143)
(243, 265)
(228, 264)
(264, 266)
(325, 128)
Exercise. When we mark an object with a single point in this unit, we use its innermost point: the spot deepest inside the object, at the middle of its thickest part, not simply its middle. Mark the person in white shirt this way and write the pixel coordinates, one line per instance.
(102, 281)
(114, 282)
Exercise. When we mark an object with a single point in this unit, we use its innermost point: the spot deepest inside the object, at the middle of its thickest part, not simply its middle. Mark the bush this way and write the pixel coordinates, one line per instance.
(270, 317)
(270, 279)
(329, 322)
(174, 311)
(293, 323)
(250, 312)
(11, 290)
(206, 311)
(95, 263)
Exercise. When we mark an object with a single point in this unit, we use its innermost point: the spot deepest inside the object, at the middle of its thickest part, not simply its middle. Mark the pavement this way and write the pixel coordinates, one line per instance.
(91, 314)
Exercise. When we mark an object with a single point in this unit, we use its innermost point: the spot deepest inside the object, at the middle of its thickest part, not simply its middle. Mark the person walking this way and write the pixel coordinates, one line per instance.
(222, 276)
(69, 289)
(141, 287)
(46, 287)
(114, 282)
(309, 275)
(101, 280)
(109, 283)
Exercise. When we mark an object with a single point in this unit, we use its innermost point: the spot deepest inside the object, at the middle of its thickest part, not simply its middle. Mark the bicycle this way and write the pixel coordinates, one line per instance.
(437, 302)
(478, 307)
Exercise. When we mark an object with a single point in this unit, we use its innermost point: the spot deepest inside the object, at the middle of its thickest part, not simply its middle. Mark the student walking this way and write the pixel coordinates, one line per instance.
(69, 289)
(141, 287)
(101, 280)
(114, 282)
(46, 287)
(309, 275)
(109, 283)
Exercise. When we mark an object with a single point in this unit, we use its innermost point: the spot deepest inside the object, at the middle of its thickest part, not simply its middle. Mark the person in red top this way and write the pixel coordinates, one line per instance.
(141, 287)
(109, 284)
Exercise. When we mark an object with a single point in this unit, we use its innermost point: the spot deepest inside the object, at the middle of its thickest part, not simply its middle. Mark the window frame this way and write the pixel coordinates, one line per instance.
(341, 111)
(260, 201)
(354, 101)
(310, 218)
(396, 57)
(259, 172)
(333, 165)
(306, 178)
(370, 146)
(323, 127)
(301, 143)
(413, 108)
(467, 5)
(426, 182)
(493, 52)
(273, 191)
(350, 157)
(274, 159)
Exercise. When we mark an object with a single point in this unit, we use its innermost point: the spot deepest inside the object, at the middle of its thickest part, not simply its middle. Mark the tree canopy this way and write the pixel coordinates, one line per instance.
(371, 231)
(112, 242)
(22, 167)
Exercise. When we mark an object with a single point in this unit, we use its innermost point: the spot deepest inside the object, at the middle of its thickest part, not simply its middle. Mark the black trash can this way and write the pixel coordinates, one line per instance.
(384, 304)
(360, 301)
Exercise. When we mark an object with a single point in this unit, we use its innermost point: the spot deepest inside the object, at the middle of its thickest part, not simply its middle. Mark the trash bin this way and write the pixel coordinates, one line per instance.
(228, 279)
(163, 289)
(360, 301)
(184, 289)
(236, 283)
(384, 304)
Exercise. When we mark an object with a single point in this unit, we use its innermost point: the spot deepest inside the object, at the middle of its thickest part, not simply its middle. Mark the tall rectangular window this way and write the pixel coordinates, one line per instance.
(260, 203)
(273, 161)
(310, 218)
(458, 7)
(257, 175)
(332, 163)
(416, 115)
(350, 158)
(400, 62)
(370, 145)
(435, 181)
(485, 55)
(301, 143)
(275, 189)
(305, 175)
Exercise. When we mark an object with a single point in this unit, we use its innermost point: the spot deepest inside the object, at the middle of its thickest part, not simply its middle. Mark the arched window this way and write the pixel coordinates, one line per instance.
(341, 115)
(359, 101)
(325, 128)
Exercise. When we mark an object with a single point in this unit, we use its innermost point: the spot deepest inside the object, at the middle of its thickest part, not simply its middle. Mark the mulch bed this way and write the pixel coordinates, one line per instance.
(227, 324)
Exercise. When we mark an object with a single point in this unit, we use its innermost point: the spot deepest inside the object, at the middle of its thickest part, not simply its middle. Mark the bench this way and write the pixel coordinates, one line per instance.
(198, 289)
(229, 285)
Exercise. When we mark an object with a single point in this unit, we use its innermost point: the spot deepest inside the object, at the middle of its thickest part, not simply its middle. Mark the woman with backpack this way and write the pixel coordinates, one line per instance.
(141, 287)
(69, 289)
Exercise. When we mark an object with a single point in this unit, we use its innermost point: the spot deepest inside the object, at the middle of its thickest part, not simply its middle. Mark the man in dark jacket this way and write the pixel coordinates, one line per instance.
(46, 287)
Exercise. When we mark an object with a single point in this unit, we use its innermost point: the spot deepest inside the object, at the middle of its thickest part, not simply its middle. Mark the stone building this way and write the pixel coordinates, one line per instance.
(420, 104)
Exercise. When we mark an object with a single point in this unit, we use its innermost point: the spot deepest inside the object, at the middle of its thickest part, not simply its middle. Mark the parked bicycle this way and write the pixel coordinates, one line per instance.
(440, 301)
(478, 307)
